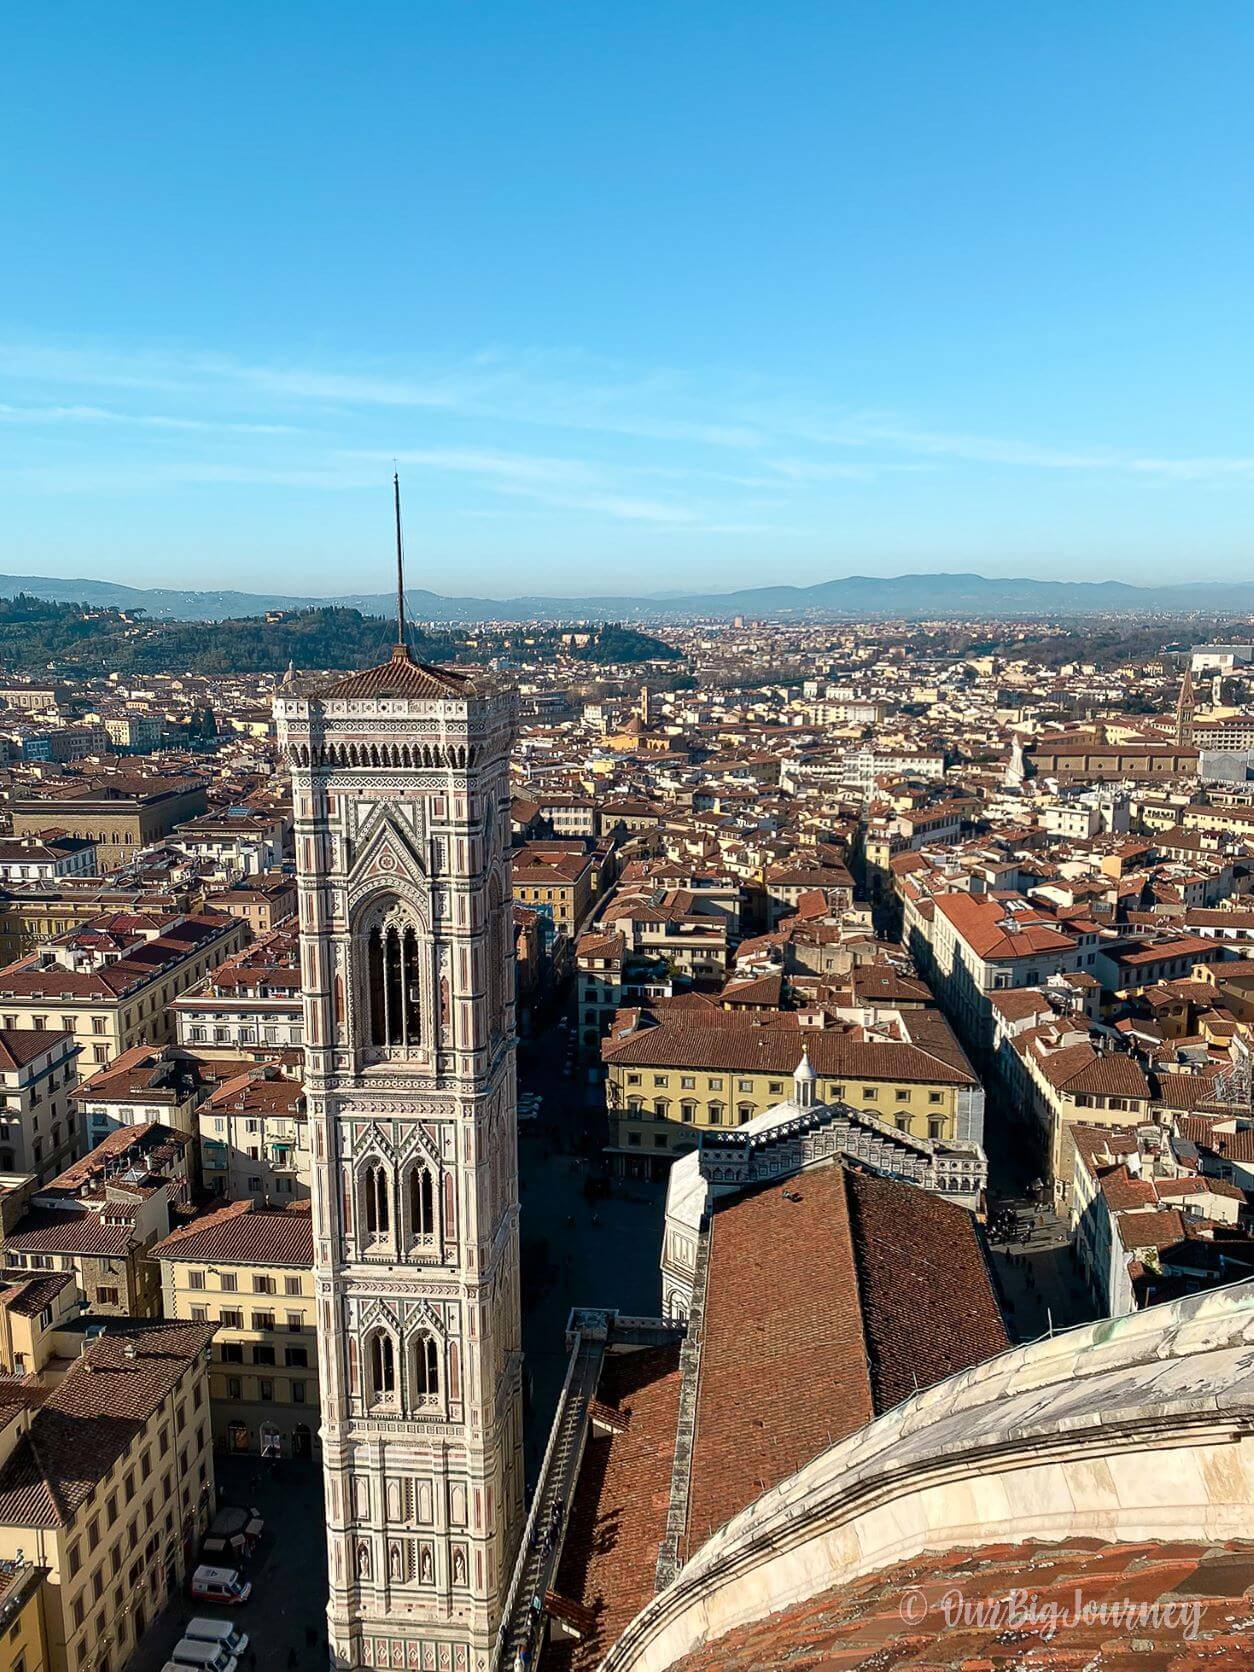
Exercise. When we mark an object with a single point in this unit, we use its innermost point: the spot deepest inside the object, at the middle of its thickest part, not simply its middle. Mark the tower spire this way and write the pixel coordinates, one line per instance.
(402, 649)
(1186, 709)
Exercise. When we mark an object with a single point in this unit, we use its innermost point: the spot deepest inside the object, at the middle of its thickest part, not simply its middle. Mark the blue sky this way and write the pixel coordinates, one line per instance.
(642, 296)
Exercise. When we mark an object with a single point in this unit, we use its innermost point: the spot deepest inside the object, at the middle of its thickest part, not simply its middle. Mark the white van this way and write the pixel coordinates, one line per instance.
(220, 1584)
(204, 1630)
(203, 1657)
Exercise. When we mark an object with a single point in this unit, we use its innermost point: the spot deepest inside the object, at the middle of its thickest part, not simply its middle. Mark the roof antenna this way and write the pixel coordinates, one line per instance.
(402, 649)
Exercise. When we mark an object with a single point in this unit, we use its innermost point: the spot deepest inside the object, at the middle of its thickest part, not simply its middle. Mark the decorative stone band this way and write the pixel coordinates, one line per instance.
(1132, 1429)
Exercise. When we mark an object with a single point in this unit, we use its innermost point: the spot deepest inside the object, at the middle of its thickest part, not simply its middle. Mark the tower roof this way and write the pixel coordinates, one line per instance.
(399, 676)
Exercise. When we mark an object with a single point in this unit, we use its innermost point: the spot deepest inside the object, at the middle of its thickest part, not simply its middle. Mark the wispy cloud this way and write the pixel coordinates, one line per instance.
(1017, 454)
(135, 420)
(658, 448)
(478, 387)
(509, 467)
(567, 484)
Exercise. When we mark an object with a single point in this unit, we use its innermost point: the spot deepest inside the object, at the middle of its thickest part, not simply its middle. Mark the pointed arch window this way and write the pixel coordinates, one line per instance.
(426, 1369)
(421, 1204)
(378, 1200)
(394, 983)
(382, 1359)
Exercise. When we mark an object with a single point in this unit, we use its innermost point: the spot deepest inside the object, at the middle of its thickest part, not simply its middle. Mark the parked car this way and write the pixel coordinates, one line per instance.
(220, 1584)
(204, 1630)
(197, 1656)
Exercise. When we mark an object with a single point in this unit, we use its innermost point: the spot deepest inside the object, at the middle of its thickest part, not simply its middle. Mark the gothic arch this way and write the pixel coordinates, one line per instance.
(381, 1358)
(376, 1210)
(392, 979)
(420, 1200)
(424, 1369)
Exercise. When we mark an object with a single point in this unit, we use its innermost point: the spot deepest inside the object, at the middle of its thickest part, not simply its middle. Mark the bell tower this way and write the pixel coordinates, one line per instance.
(400, 787)
(1186, 711)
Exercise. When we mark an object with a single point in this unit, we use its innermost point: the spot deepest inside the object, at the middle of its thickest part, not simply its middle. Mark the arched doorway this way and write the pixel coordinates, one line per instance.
(302, 1443)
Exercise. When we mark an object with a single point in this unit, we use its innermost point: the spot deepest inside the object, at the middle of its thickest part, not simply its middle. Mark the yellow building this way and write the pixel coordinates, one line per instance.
(249, 1271)
(668, 1079)
(23, 1645)
(108, 1485)
(555, 879)
(110, 982)
(33, 1309)
(1232, 986)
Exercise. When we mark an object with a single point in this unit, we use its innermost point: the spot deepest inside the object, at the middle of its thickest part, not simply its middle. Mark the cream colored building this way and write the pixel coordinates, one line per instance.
(108, 1483)
(111, 986)
(34, 1307)
(39, 1124)
(249, 1271)
(254, 1138)
(100, 1217)
(667, 1082)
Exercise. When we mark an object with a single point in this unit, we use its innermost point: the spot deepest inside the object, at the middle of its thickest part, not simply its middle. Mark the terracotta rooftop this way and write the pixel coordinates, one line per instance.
(783, 1369)
(20, 1046)
(928, 1306)
(993, 930)
(618, 1518)
(400, 676)
(733, 1043)
(829, 1299)
(243, 1233)
(858, 1627)
(257, 1093)
(92, 1418)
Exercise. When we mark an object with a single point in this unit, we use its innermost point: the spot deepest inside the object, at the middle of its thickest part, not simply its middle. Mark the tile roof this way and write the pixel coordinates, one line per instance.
(399, 676)
(256, 1092)
(20, 1046)
(27, 1295)
(146, 1142)
(830, 1298)
(858, 1626)
(737, 1045)
(928, 1305)
(38, 977)
(245, 1234)
(783, 1370)
(618, 1518)
(69, 1231)
(91, 1418)
(992, 930)
(151, 1073)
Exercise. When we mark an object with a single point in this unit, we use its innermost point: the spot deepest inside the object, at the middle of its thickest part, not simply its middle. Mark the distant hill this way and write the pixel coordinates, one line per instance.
(904, 596)
(39, 635)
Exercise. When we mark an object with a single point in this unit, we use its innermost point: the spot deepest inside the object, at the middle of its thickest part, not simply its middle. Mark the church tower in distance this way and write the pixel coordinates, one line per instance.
(400, 787)
(1186, 711)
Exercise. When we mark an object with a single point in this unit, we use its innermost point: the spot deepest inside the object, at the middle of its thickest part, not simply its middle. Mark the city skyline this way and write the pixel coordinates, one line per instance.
(777, 299)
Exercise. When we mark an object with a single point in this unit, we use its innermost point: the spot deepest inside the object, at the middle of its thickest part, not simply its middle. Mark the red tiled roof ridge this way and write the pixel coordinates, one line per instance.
(400, 676)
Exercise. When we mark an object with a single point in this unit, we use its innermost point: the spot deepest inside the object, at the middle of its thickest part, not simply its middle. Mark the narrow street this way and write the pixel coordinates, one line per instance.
(285, 1617)
(580, 1245)
(1040, 1284)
